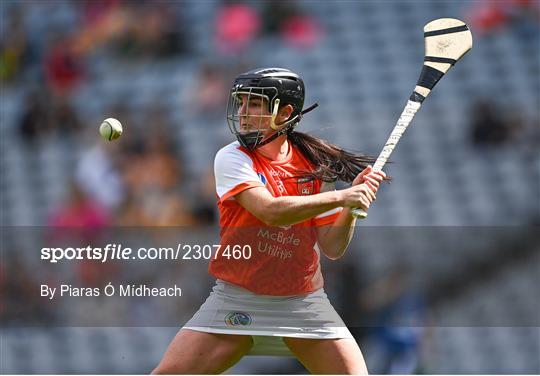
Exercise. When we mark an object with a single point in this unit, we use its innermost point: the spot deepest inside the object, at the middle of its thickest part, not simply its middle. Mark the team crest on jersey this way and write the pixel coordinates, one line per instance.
(306, 187)
(237, 319)
(262, 177)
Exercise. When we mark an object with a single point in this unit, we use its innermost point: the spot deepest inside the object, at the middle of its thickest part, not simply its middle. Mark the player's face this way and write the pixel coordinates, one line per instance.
(253, 113)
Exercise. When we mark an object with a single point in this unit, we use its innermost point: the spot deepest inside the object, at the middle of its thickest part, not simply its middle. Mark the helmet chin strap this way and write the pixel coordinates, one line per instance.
(285, 127)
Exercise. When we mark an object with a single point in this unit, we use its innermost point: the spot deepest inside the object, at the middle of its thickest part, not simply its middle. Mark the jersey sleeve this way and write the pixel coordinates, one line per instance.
(329, 217)
(234, 173)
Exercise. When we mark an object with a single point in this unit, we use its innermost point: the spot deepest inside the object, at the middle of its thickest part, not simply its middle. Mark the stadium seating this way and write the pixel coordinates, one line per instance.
(361, 74)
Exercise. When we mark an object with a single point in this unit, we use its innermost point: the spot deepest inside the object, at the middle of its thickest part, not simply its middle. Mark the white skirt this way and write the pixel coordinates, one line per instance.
(233, 310)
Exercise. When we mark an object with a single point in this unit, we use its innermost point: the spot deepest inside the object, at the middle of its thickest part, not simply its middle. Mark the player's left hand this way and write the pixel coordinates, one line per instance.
(371, 178)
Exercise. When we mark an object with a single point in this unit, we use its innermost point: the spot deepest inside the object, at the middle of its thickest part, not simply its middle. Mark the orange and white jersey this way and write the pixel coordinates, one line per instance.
(284, 260)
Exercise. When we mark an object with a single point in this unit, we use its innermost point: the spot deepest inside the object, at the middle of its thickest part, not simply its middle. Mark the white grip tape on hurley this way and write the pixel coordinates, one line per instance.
(403, 122)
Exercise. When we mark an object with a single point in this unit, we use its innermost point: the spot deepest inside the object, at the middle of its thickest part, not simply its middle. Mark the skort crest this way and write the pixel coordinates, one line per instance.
(237, 319)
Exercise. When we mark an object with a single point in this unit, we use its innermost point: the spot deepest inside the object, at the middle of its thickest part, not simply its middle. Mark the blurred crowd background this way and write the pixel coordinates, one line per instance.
(446, 268)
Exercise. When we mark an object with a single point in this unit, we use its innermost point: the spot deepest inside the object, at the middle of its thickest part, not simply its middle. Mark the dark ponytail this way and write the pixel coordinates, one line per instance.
(331, 162)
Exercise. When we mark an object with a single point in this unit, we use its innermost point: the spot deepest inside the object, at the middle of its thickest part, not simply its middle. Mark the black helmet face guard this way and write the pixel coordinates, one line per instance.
(247, 124)
(275, 86)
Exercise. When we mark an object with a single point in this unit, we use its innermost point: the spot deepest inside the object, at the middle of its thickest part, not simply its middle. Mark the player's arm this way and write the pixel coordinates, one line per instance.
(287, 210)
(335, 238)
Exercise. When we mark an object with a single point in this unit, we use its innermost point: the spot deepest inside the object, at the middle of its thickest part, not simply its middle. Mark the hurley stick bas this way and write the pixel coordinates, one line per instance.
(447, 40)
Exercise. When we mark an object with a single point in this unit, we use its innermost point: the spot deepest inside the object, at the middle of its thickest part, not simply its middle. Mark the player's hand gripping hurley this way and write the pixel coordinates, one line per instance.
(446, 41)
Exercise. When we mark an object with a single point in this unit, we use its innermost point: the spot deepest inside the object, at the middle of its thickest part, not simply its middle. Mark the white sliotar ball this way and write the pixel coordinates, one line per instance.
(110, 129)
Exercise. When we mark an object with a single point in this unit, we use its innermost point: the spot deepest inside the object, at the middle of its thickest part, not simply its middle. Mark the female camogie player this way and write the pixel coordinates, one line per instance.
(276, 197)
